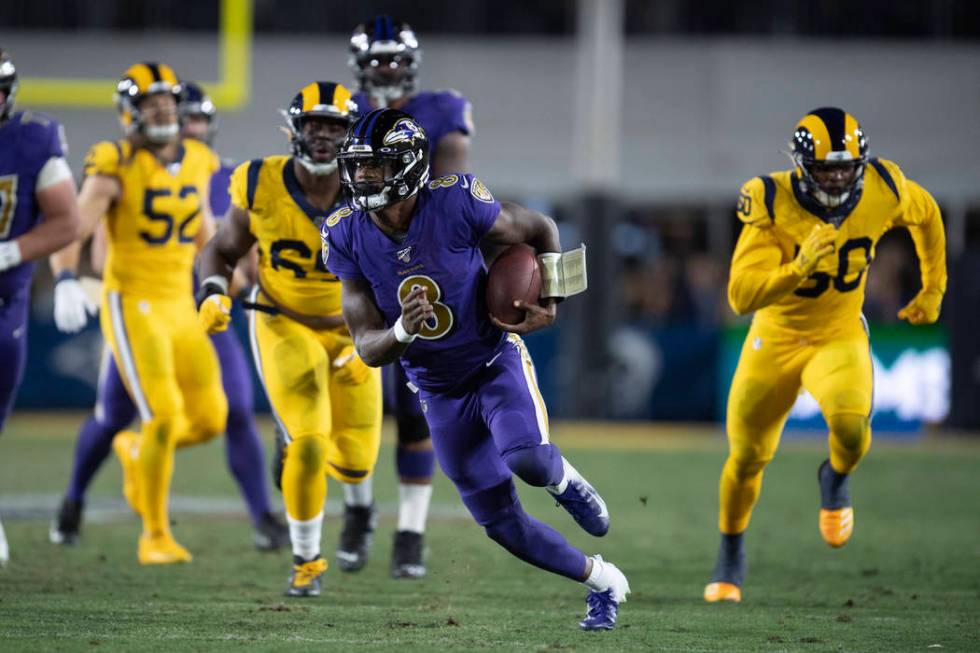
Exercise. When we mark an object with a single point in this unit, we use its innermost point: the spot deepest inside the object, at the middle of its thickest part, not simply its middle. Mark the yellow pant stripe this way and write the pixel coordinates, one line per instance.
(531, 378)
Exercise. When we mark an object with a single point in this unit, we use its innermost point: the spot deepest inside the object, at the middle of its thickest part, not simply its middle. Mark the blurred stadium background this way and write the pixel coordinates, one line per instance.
(632, 122)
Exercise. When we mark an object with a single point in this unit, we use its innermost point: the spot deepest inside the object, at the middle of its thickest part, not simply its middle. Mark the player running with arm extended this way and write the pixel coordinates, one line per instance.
(38, 216)
(413, 277)
(325, 401)
(152, 188)
(115, 410)
(800, 264)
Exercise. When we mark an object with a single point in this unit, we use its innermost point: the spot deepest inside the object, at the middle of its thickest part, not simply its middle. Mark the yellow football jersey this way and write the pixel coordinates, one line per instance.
(291, 268)
(152, 224)
(777, 222)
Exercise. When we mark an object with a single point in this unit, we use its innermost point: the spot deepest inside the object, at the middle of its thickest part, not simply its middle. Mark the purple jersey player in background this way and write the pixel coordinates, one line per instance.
(413, 277)
(38, 216)
(385, 58)
(114, 409)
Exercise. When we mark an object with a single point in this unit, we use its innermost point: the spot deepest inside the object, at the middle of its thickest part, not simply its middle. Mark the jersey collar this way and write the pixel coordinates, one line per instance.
(834, 216)
(295, 191)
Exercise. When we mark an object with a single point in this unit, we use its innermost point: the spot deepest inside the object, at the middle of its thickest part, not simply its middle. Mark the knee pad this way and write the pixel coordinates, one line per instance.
(849, 429)
(745, 462)
(491, 504)
(309, 452)
(412, 428)
(537, 465)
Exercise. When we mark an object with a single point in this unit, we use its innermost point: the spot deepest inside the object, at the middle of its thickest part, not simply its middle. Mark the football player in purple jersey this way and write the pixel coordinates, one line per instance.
(38, 216)
(408, 255)
(114, 409)
(385, 58)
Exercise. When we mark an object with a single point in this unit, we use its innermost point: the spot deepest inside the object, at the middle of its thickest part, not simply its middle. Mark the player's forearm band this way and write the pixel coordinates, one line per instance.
(401, 335)
(216, 284)
(563, 274)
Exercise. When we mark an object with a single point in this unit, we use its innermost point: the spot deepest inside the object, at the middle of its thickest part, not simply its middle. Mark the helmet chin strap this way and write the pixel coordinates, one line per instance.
(318, 169)
(383, 95)
(160, 133)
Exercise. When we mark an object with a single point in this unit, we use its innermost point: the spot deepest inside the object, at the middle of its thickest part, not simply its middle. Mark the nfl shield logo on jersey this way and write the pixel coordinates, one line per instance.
(405, 255)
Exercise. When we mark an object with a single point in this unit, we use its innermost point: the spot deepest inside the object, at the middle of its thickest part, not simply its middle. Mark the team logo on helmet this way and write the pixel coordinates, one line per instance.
(405, 130)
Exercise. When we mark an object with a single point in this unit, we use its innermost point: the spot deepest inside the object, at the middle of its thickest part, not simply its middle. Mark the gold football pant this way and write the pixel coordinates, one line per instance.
(171, 372)
(328, 407)
(773, 366)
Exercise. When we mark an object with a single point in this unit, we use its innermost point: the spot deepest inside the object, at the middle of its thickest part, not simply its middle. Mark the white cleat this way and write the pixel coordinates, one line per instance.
(4, 548)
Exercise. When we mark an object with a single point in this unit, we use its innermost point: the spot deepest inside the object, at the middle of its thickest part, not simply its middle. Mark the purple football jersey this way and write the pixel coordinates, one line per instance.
(439, 113)
(440, 253)
(219, 197)
(27, 141)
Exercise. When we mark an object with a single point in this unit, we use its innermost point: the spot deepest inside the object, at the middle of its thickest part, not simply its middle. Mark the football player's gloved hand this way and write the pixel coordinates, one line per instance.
(72, 305)
(349, 368)
(215, 313)
(818, 243)
(923, 309)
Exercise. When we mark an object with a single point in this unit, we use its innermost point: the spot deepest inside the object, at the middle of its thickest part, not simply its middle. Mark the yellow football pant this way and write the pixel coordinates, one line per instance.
(171, 372)
(331, 415)
(773, 365)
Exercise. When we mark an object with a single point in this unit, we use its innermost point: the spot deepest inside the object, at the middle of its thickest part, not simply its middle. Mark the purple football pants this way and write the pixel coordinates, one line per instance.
(493, 427)
(13, 348)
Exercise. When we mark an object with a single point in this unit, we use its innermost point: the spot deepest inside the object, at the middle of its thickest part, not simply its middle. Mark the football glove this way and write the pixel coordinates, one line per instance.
(349, 368)
(819, 243)
(215, 312)
(923, 309)
(72, 305)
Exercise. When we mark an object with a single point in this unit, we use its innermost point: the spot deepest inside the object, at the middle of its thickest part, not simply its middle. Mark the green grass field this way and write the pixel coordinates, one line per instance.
(909, 580)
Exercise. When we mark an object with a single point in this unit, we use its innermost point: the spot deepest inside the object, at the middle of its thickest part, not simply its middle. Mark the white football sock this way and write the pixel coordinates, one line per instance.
(4, 549)
(359, 494)
(305, 536)
(569, 473)
(413, 506)
(606, 575)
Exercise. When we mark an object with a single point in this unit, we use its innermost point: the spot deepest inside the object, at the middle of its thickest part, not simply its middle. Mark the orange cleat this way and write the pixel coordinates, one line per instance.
(715, 592)
(162, 550)
(836, 526)
(126, 444)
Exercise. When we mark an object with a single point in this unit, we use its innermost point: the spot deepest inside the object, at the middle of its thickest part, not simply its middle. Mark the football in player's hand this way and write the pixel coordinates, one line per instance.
(514, 275)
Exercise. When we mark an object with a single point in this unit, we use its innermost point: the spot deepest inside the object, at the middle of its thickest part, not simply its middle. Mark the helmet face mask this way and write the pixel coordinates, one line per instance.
(385, 58)
(384, 160)
(8, 85)
(830, 150)
(317, 120)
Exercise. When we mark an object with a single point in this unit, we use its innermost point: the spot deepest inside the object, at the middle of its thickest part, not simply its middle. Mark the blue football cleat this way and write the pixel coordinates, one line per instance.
(601, 611)
(583, 503)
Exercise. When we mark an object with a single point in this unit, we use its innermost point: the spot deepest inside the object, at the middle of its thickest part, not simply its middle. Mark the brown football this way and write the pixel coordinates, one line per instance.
(513, 275)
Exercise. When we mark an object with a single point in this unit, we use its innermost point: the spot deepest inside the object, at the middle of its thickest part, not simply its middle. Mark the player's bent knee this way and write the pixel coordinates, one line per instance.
(850, 430)
(538, 465)
(309, 452)
(746, 462)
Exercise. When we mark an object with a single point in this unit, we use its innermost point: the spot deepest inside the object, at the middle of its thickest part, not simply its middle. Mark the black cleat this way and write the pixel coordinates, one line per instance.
(271, 534)
(279, 458)
(304, 580)
(66, 527)
(356, 538)
(408, 555)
